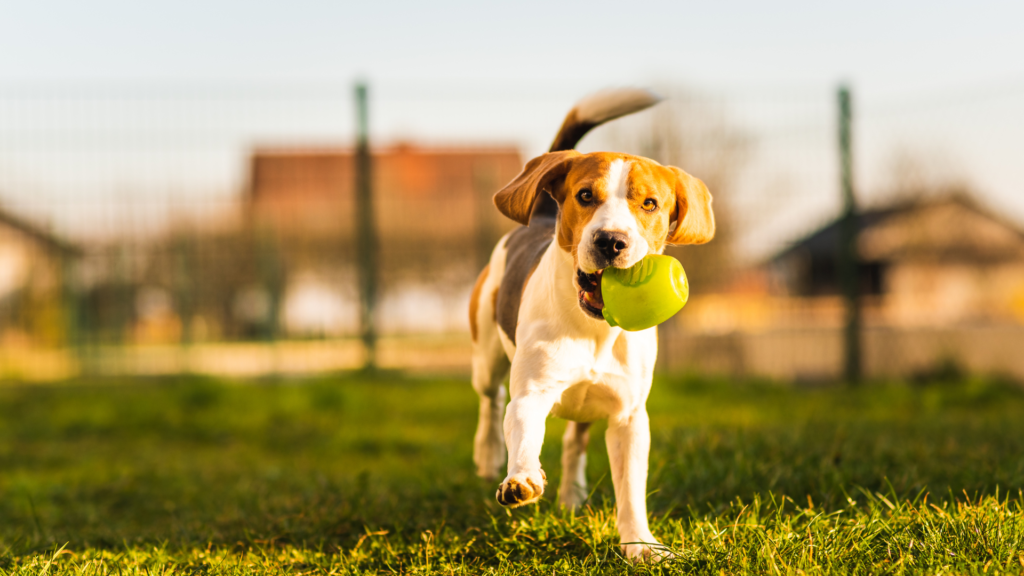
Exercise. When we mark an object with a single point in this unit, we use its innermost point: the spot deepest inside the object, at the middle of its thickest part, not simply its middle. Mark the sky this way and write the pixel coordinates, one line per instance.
(884, 47)
(507, 72)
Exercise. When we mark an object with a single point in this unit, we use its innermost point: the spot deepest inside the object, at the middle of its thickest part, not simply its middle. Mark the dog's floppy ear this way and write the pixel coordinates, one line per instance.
(695, 222)
(517, 199)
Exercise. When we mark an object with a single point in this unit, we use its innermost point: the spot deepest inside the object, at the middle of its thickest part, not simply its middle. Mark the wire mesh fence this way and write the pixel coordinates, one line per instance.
(214, 229)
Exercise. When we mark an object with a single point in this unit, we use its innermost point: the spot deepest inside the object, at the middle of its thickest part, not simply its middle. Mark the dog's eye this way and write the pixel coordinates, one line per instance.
(650, 204)
(585, 196)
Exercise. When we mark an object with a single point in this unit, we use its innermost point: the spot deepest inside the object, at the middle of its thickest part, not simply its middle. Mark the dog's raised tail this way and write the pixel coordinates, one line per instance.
(598, 108)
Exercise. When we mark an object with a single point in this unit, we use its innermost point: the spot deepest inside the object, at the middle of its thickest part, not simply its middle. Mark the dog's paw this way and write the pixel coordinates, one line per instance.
(521, 489)
(489, 465)
(572, 497)
(489, 457)
(645, 550)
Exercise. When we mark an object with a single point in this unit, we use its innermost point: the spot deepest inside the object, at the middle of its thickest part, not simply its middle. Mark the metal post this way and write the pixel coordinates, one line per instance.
(72, 307)
(366, 237)
(182, 286)
(848, 261)
(272, 277)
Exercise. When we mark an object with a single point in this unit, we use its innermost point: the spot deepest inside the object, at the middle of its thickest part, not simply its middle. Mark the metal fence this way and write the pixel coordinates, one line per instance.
(221, 229)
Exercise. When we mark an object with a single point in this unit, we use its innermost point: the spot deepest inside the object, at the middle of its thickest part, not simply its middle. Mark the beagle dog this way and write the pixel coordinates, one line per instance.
(535, 314)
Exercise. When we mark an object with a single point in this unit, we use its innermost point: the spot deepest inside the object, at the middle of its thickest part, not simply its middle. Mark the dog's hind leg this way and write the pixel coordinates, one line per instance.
(490, 367)
(572, 491)
(489, 442)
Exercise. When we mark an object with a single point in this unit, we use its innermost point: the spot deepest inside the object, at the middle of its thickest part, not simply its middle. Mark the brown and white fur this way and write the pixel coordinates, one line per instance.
(536, 310)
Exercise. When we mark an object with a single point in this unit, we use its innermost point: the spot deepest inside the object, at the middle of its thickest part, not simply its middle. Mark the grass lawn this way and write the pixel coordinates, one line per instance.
(348, 475)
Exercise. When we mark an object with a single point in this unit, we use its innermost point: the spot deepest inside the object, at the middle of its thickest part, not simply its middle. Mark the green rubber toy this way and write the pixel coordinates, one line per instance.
(645, 294)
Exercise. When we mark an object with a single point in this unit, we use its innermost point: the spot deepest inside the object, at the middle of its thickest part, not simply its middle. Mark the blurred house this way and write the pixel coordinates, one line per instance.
(942, 279)
(435, 224)
(32, 268)
(420, 193)
(928, 262)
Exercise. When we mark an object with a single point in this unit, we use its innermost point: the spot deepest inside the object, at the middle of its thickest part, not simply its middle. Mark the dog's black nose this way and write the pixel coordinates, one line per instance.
(610, 243)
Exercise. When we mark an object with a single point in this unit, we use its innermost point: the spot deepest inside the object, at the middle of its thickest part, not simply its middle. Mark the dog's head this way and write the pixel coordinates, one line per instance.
(614, 209)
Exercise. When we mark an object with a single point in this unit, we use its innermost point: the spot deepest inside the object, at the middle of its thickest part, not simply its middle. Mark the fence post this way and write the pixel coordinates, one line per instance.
(72, 309)
(848, 262)
(272, 273)
(366, 238)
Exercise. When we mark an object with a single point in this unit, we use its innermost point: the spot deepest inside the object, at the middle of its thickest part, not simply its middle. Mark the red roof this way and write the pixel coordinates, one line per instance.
(441, 191)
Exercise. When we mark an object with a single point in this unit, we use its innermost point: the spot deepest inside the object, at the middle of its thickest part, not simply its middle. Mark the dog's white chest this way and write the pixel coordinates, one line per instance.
(587, 402)
(597, 397)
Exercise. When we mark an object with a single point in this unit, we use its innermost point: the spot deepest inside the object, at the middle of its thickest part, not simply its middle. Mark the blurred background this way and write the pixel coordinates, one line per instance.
(244, 189)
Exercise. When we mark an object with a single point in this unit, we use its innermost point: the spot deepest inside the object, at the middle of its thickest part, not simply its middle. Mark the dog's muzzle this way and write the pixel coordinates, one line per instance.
(589, 286)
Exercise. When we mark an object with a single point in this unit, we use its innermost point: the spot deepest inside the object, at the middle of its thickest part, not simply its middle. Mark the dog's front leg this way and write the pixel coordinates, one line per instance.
(629, 443)
(524, 436)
